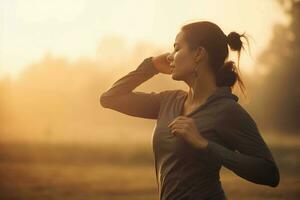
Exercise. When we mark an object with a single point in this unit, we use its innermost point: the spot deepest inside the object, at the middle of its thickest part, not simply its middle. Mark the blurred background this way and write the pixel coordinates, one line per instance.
(58, 56)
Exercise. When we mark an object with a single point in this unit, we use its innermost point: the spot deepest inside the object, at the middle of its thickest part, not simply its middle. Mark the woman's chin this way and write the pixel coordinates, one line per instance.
(174, 76)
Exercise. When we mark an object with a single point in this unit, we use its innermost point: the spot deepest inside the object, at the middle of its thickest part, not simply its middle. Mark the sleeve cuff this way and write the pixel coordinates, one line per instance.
(149, 63)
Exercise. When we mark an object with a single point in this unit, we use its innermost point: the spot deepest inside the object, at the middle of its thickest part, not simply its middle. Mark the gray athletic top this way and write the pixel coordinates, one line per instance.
(182, 171)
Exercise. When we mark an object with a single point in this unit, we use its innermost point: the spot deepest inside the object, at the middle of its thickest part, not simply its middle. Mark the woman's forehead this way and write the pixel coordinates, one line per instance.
(179, 38)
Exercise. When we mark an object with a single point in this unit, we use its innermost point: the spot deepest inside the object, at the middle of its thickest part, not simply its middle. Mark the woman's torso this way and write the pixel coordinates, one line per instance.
(183, 172)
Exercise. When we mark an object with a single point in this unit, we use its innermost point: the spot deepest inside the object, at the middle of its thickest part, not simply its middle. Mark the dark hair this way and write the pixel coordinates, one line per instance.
(212, 38)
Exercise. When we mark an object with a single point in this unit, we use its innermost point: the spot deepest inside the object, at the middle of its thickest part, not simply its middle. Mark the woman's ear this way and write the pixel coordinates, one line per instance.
(200, 54)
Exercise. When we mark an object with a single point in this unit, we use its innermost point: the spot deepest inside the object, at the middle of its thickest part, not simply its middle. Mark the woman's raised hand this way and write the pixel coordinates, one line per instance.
(161, 63)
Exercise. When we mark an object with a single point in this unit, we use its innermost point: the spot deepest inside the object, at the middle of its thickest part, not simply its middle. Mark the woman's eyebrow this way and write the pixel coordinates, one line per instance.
(175, 44)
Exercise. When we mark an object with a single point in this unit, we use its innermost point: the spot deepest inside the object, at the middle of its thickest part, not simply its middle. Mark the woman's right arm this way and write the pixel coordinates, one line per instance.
(120, 95)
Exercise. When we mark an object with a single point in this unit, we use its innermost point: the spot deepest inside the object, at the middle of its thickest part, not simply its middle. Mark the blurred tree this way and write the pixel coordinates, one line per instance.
(280, 89)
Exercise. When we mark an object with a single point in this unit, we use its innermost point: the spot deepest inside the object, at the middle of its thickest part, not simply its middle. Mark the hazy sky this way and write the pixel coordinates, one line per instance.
(31, 28)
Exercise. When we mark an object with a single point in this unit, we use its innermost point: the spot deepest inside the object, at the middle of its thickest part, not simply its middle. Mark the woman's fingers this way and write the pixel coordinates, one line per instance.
(178, 125)
(176, 131)
(161, 63)
(178, 128)
(177, 120)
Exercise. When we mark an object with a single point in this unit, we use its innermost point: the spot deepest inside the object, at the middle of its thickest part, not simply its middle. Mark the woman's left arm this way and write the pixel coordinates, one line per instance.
(248, 155)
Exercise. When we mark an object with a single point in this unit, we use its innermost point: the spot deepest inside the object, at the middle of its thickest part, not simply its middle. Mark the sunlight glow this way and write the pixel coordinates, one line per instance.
(73, 29)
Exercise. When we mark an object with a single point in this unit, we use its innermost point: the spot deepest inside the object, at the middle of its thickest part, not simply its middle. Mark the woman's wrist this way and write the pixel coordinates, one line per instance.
(202, 144)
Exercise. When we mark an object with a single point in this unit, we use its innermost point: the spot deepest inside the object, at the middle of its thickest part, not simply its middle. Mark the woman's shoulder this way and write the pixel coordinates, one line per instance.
(234, 114)
(177, 94)
(173, 92)
(167, 96)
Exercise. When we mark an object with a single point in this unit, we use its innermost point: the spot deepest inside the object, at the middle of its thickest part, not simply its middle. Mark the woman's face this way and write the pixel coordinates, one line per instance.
(182, 59)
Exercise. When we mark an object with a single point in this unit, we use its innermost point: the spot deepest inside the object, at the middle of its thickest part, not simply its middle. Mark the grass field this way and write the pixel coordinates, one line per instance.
(57, 171)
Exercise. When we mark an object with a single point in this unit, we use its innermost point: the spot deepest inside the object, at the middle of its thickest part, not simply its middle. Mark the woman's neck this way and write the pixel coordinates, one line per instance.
(200, 89)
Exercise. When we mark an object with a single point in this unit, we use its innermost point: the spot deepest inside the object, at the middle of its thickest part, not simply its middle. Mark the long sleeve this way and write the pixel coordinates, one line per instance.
(120, 96)
(244, 152)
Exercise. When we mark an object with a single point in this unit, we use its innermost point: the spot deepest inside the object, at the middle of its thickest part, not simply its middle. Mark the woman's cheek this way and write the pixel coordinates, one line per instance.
(177, 58)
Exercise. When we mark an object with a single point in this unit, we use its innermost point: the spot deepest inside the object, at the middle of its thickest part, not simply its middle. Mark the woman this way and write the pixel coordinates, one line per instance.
(203, 129)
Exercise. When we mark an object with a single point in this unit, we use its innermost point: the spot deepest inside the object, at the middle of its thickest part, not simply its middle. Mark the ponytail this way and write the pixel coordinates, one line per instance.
(229, 73)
